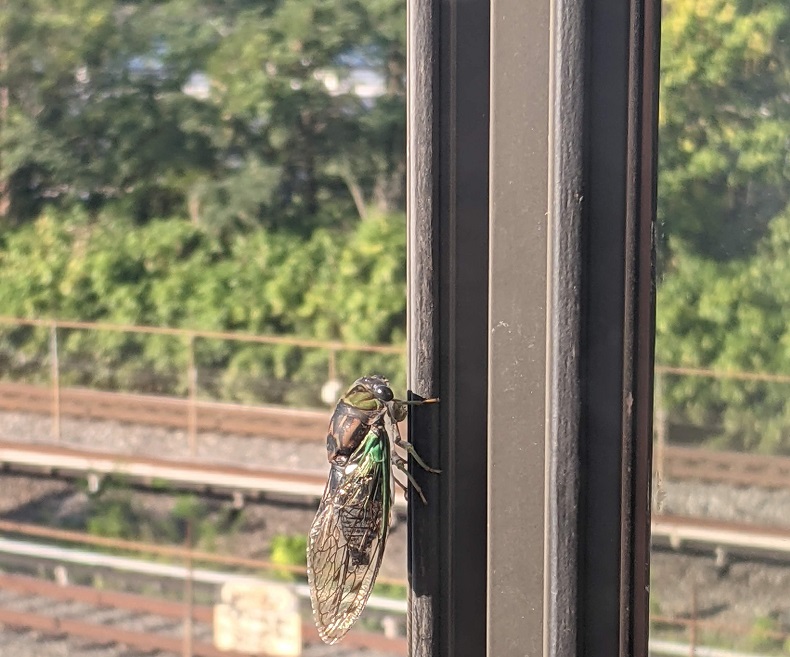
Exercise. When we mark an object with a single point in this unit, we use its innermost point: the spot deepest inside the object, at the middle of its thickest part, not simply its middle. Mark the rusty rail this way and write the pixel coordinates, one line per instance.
(173, 551)
(141, 604)
(205, 477)
(234, 336)
(58, 626)
(170, 412)
(733, 468)
(675, 462)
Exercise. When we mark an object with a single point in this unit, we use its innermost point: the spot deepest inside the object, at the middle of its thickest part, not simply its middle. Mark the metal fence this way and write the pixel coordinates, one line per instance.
(332, 365)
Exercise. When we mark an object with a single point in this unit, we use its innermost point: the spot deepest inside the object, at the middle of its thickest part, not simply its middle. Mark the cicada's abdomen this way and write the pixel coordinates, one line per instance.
(360, 519)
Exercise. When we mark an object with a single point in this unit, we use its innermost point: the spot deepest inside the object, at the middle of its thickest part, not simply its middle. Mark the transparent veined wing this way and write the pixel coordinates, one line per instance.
(347, 537)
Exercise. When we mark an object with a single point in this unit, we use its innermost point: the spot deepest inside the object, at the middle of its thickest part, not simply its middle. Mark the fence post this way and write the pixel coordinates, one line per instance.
(693, 624)
(188, 592)
(332, 365)
(192, 405)
(661, 430)
(54, 367)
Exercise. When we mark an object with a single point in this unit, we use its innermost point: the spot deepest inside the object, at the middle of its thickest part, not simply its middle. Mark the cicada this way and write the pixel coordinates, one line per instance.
(347, 537)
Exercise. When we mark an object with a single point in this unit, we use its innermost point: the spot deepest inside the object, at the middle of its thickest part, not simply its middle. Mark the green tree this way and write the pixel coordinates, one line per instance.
(334, 285)
(234, 114)
(724, 122)
(730, 316)
(286, 76)
(93, 109)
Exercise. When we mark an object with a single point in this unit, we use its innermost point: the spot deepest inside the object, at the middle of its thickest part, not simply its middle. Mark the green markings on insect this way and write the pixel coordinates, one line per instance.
(347, 538)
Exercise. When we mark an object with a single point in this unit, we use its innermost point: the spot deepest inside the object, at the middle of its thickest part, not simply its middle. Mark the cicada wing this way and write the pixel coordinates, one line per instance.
(346, 543)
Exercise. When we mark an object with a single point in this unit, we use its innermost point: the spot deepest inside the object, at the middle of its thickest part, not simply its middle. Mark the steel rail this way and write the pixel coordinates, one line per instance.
(203, 613)
(735, 375)
(675, 531)
(174, 551)
(155, 606)
(734, 537)
(681, 463)
(94, 560)
(329, 345)
(715, 626)
(54, 458)
(60, 460)
(659, 647)
(107, 634)
(170, 412)
(733, 468)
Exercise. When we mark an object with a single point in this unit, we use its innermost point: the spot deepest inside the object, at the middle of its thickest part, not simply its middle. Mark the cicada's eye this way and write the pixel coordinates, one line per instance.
(382, 392)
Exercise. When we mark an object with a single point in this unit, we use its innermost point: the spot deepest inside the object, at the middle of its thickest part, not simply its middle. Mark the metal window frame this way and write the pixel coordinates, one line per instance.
(531, 315)
(448, 277)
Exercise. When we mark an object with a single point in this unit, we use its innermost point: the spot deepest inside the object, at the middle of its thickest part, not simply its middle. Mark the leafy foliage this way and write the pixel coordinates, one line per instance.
(732, 316)
(334, 285)
(234, 114)
(287, 550)
(210, 165)
(724, 121)
(724, 189)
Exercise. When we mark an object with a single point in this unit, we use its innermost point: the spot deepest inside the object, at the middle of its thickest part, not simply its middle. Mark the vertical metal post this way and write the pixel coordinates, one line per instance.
(448, 74)
(517, 376)
(693, 623)
(565, 392)
(602, 205)
(660, 446)
(54, 368)
(192, 406)
(332, 366)
(188, 593)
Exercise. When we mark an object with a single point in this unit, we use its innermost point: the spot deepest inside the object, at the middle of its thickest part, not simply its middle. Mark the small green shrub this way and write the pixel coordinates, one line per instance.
(288, 550)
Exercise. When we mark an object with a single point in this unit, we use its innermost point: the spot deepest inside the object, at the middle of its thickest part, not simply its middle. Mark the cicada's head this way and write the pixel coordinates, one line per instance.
(369, 393)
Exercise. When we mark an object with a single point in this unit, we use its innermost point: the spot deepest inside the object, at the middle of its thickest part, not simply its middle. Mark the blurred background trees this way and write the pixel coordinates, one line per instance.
(235, 165)
(724, 190)
(240, 165)
(235, 114)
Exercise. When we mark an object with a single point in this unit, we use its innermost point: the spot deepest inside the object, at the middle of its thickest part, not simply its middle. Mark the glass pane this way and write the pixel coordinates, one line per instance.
(721, 506)
(202, 244)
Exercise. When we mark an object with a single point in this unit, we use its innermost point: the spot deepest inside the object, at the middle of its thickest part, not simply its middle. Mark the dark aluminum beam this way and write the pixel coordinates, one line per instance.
(535, 539)
(448, 295)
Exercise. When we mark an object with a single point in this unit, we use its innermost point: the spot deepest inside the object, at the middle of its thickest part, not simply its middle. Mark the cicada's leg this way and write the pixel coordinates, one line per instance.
(399, 463)
(398, 440)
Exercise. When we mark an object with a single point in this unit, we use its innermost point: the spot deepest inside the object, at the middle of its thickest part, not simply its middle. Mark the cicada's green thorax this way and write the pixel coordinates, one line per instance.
(362, 399)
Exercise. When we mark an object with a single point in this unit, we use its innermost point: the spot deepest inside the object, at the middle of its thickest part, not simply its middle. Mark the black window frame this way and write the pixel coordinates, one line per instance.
(532, 139)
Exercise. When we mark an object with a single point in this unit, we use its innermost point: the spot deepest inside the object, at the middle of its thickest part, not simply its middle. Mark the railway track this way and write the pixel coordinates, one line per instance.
(195, 417)
(141, 622)
(153, 624)
(680, 463)
(56, 460)
(161, 411)
(723, 539)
